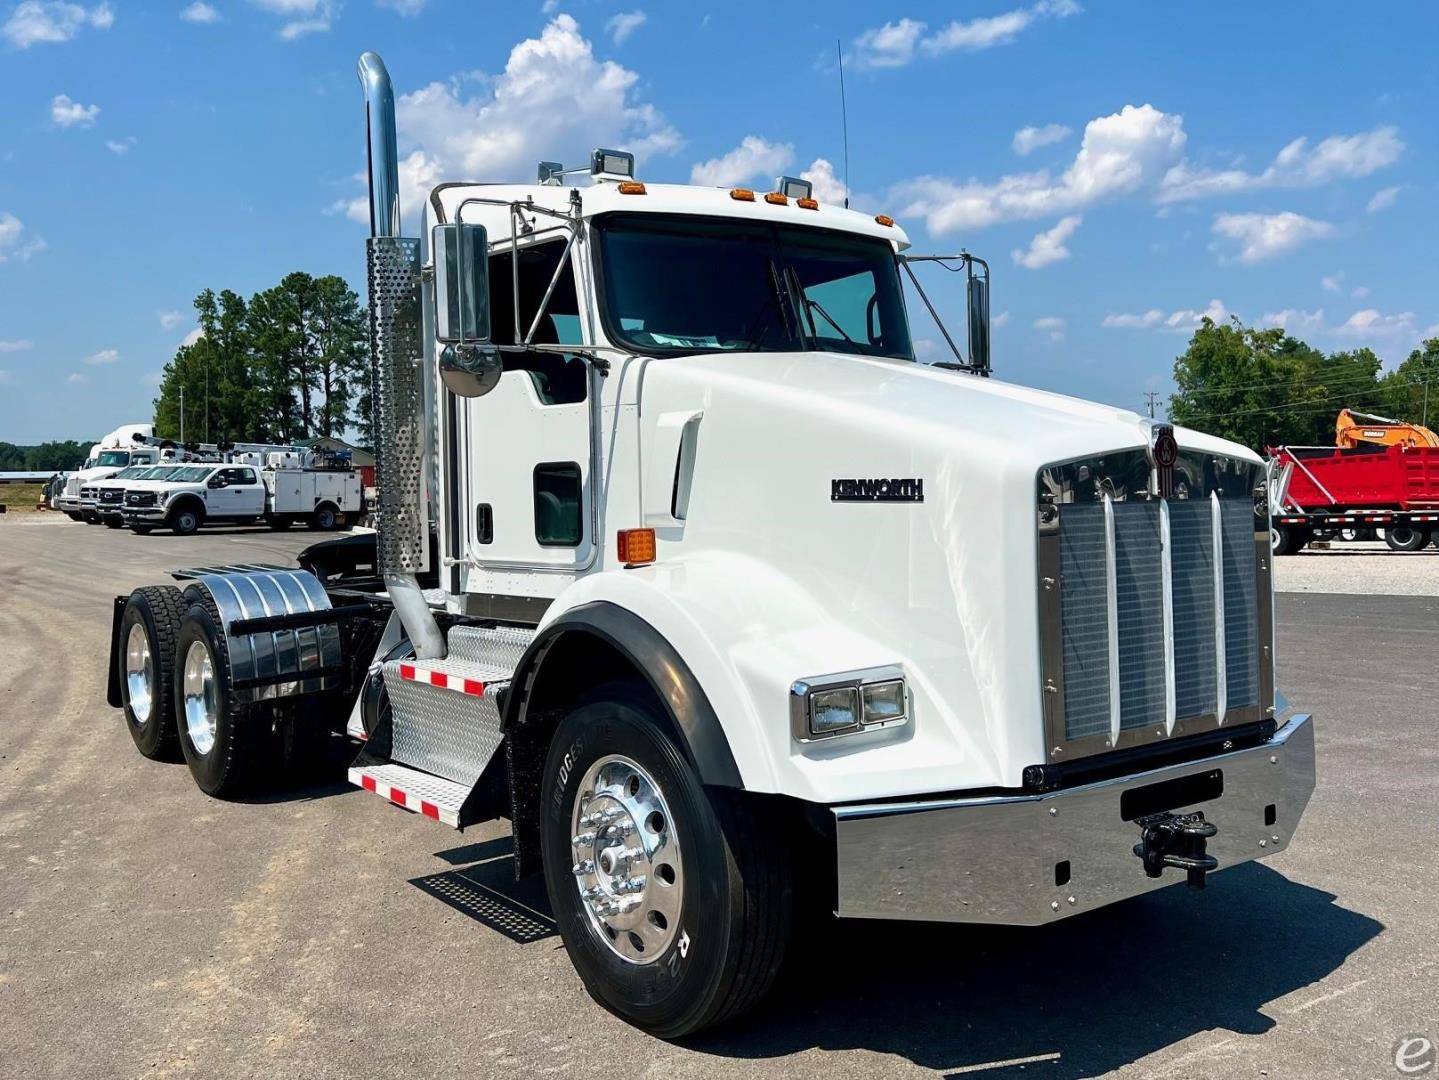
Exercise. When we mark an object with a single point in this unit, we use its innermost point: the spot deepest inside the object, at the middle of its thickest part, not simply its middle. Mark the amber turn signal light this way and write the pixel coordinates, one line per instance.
(636, 547)
(632, 187)
(741, 194)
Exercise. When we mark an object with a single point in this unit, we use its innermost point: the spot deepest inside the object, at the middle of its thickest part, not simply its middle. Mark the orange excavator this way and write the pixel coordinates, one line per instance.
(1353, 429)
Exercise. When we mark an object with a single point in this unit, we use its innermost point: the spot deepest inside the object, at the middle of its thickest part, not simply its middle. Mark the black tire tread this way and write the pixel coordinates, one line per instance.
(167, 607)
(244, 766)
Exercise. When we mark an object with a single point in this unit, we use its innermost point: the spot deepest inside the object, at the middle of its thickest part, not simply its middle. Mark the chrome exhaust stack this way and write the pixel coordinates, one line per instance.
(397, 373)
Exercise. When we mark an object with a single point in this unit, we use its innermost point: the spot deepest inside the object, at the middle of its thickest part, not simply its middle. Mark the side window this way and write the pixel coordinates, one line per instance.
(559, 379)
(240, 476)
(558, 503)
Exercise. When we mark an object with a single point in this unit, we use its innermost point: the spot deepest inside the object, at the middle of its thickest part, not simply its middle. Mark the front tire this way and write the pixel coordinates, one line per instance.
(674, 900)
(185, 520)
(1286, 540)
(223, 739)
(114, 523)
(140, 529)
(146, 658)
(278, 522)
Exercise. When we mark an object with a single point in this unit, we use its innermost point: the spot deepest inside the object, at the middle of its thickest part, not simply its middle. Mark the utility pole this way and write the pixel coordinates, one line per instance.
(1153, 396)
(182, 416)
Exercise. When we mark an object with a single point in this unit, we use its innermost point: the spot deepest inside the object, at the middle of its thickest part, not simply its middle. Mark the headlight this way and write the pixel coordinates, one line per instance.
(848, 702)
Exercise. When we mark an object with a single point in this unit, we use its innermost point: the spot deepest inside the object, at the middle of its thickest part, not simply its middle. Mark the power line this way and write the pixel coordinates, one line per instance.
(1286, 406)
(1354, 379)
(1152, 396)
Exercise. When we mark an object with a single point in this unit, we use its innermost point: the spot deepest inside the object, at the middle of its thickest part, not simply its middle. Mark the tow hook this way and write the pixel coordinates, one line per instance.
(1167, 840)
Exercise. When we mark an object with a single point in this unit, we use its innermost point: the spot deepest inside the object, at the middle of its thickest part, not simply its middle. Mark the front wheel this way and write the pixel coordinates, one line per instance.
(140, 529)
(114, 523)
(674, 900)
(185, 520)
(278, 522)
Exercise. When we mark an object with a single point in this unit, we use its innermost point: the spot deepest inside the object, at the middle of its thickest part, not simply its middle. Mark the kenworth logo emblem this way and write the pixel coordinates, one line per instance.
(907, 490)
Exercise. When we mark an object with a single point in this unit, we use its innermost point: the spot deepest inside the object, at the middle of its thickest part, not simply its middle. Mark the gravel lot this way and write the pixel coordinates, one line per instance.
(146, 930)
(1360, 568)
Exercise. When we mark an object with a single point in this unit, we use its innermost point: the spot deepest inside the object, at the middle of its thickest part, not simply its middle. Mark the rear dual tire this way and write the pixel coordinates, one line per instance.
(149, 629)
(1406, 538)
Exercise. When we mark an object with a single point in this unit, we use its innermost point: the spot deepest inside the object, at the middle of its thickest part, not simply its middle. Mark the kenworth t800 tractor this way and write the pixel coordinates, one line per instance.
(688, 569)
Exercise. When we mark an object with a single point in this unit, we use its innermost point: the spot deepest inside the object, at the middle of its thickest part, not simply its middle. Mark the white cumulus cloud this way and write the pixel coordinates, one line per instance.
(553, 102)
(193, 336)
(50, 22)
(66, 113)
(1048, 247)
(77, 378)
(1182, 321)
(121, 146)
(407, 8)
(170, 319)
(1266, 236)
(1370, 323)
(200, 13)
(300, 17)
(1294, 320)
(16, 244)
(1338, 157)
(1029, 139)
(1383, 199)
(104, 356)
(753, 157)
(897, 43)
(828, 188)
(1051, 326)
(1120, 153)
(16, 346)
(623, 24)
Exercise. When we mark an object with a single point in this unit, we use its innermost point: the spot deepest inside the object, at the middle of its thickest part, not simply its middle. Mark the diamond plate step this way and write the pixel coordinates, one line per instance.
(429, 796)
(445, 713)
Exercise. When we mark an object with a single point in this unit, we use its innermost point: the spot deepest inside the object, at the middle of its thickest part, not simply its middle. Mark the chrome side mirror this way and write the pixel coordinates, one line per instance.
(978, 320)
(462, 283)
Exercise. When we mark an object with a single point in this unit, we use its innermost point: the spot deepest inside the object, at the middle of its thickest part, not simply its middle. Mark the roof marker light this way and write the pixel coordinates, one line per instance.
(741, 194)
(884, 219)
(631, 187)
(774, 198)
(807, 204)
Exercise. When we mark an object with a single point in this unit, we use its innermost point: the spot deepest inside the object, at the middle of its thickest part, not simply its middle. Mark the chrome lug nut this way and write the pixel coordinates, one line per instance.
(584, 866)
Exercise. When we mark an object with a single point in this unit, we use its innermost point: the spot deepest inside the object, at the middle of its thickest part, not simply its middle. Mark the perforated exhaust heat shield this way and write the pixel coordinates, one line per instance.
(395, 328)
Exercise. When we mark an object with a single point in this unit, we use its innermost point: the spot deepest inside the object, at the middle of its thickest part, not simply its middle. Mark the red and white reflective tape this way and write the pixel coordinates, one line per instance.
(399, 797)
(444, 680)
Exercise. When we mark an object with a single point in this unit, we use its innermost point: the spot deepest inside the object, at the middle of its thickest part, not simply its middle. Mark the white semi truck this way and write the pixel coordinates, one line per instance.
(688, 569)
(122, 448)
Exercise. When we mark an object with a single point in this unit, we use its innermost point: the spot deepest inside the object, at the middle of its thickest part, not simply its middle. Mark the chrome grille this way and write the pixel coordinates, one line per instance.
(1152, 623)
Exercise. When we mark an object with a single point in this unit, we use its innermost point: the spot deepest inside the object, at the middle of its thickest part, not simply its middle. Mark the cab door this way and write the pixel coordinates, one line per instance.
(527, 495)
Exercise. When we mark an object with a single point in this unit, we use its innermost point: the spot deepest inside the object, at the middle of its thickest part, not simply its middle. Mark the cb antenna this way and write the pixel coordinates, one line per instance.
(844, 119)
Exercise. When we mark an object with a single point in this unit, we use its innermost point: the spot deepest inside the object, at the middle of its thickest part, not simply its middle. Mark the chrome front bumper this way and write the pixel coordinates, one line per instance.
(997, 859)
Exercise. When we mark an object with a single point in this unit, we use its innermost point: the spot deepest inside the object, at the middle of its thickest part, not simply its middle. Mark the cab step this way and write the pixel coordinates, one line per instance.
(420, 792)
(445, 714)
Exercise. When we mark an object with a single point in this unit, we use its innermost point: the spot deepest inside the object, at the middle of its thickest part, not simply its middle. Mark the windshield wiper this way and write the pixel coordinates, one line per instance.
(776, 297)
(815, 305)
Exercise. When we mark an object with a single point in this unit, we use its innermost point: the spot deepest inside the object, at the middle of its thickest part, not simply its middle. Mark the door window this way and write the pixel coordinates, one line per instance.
(558, 378)
(558, 502)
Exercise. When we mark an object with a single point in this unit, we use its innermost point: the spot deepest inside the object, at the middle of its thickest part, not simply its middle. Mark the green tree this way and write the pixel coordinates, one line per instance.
(1407, 390)
(1262, 387)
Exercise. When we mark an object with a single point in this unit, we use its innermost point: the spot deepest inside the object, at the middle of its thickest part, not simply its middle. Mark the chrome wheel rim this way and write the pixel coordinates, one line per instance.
(139, 674)
(202, 704)
(627, 861)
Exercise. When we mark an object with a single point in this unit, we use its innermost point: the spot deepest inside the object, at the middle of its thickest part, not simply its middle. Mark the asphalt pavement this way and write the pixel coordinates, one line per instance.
(149, 931)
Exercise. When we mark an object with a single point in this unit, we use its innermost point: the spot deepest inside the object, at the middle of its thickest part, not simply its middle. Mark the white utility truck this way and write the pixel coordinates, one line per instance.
(186, 497)
(109, 495)
(688, 569)
(121, 449)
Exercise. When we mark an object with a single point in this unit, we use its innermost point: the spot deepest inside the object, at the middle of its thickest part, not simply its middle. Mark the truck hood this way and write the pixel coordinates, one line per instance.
(990, 416)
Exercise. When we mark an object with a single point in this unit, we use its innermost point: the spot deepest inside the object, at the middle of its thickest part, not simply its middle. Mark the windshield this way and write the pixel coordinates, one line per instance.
(190, 474)
(134, 472)
(160, 472)
(677, 285)
(110, 458)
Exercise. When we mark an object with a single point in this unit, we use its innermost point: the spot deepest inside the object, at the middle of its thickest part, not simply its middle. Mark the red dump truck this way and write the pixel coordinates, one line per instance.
(1326, 491)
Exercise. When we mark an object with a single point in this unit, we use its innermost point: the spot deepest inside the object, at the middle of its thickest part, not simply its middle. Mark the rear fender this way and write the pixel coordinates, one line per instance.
(112, 684)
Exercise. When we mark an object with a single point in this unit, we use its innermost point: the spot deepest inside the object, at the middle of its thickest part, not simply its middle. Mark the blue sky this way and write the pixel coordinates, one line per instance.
(1123, 166)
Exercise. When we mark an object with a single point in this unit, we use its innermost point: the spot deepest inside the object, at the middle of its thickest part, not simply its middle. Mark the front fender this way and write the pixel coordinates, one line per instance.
(745, 633)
